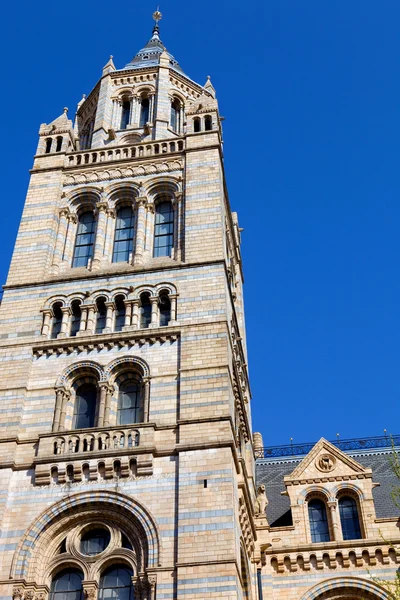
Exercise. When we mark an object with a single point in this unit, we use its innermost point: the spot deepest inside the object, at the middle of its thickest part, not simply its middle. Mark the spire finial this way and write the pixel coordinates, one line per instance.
(157, 16)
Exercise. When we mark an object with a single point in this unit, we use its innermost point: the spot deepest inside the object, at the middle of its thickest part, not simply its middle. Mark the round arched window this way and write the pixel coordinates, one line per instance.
(95, 541)
(67, 585)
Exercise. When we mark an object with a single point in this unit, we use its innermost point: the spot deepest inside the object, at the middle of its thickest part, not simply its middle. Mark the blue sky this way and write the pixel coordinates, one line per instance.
(311, 95)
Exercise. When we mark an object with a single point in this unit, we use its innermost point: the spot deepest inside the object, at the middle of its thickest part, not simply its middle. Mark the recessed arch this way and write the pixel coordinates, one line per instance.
(339, 588)
(79, 369)
(125, 362)
(83, 198)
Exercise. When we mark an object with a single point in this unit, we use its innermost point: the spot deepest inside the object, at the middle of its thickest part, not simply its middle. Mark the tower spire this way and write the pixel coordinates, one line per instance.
(157, 16)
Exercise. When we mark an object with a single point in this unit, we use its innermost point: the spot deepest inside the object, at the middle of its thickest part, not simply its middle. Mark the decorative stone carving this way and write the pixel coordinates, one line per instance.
(261, 502)
(325, 463)
(18, 593)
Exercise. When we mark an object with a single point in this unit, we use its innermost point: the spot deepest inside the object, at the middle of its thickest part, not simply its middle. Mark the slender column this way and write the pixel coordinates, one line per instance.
(140, 231)
(135, 314)
(61, 239)
(100, 235)
(152, 580)
(128, 314)
(109, 393)
(109, 235)
(46, 323)
(173, 299)
(336, 532)
(70, 240)
(177, 204)
(57, 412)
(102, 404)
(146, 399)
(66, 313)
(109, 317)
(84, 315)
(90, 319)
(155, 319)
(64, 403)
(149, 230)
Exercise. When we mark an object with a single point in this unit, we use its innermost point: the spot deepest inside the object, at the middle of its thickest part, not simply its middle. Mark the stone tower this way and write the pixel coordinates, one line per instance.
(126, 458)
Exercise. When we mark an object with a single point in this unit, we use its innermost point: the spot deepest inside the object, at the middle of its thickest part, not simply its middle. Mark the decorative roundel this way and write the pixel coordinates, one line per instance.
(325, 463)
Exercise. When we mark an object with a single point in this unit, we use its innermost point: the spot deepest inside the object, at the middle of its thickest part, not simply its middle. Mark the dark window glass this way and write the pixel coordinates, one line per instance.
(165, 310)
(95, 541)
(129, 403)
(75, 318)
(175, 113)
(56, 321)
(349, 519)
(126, 110)
(145, 311)
(125, 542)
(84, 240)
(85, 406)
(318, 521)
(123, 241)
(197, 125)
(208, 122)
(101, 315)
(120, 311)
(59, 144)
(67, 585)
(116, 584)
(49, 142)
(164, 229)
(144, 112)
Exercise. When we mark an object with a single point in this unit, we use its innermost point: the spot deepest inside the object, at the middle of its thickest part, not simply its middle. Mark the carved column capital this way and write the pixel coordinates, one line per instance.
(102, 207)
(18, 592)
(141, 200)
(64, 212)
(72, 218)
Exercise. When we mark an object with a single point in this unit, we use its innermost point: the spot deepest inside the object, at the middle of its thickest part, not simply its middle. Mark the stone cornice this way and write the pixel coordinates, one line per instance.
(327, 479)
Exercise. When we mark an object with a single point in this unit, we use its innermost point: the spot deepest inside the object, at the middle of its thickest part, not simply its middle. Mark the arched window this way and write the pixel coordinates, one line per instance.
(126, 111)
(120, 312)
(75, 317)
(101, 315)
(318, 521)
(94, 541)
(196, 124)
(67, 585)
(165, 309)
(349, 518)
(116, 583)
(164, 229)
(144, 112)
(175, 115)
(59, 144)
(85, 406)
(208, 122)
(84, 240)
(145, 310)
(57, 320)
(49, 142)
(123, 241)
(130, 402)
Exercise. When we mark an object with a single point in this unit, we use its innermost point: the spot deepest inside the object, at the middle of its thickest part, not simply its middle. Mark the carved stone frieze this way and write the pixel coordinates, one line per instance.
(108, 172)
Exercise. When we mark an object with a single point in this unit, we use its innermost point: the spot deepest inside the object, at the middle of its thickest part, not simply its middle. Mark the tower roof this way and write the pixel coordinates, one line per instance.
(149, 56)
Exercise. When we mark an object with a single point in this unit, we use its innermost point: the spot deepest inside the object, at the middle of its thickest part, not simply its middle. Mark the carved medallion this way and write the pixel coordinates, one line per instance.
(325, 463)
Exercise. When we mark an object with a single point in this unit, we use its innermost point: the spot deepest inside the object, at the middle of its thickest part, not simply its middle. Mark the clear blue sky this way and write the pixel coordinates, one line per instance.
(311, 95)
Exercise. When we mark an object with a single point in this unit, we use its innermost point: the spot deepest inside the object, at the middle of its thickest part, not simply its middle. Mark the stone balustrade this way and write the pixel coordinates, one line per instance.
(125, 152)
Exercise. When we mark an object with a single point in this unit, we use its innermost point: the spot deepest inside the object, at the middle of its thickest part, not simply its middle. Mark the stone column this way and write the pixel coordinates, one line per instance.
(140, 231)
(109, 393)
(90, 590)
(135, 314)
(173, 299)
(70, 240)
(128, 313)
(152, 580)
(46, 323)
(108, 245)
(60, 240)
(64, 402)
(148, 247)
(146, 399)
(90, 325)
(177, 204)
(84, 316)
(155, 313)
(66, 313)
(109, 317)
(60, 392)
(102, 404)
(336, 530)
(100, 235)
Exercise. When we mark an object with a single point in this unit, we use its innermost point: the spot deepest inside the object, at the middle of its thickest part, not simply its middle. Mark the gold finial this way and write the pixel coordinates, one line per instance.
(157, 16)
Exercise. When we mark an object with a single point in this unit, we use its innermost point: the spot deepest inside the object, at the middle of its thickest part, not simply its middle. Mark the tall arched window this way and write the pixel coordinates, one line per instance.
(49, 142)
(75, 317)
(126, 111)
(318, 521)
(57, 320)
(208, 122)
(130, 402)
(164, 229)
(84, 240)
(59, 144)
(175, 115)
(196, 124)
(120, 311)
(165, 309)
(349, 518)
(124, 229)
(145, 310)
(116, 583)
(101, 315)
(85, 406)
(144, 112)
(67, 585)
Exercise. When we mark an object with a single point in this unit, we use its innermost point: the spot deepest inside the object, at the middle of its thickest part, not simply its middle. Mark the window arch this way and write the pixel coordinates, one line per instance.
(130, 400)
(349, 518)
(120, 312)
(101, 314)
(59, 143)
(196, 124)
(56, 320)
(124, 232)
(165, 309)
(208, 123)
(67, 585)
(175, 115)
(76, 314)
(85, 406)
(319, 526)
(84, 242)
(144, 112)
(116, 583)
(145, 310)
(126, 113)
(49, 142)
(163, 229)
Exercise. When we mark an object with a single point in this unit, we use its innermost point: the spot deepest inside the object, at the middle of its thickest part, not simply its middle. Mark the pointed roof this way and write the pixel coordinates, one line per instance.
(149, 56)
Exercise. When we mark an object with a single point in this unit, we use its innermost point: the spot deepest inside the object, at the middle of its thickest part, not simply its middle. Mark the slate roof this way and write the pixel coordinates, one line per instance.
(271, 472)
(149, 56)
